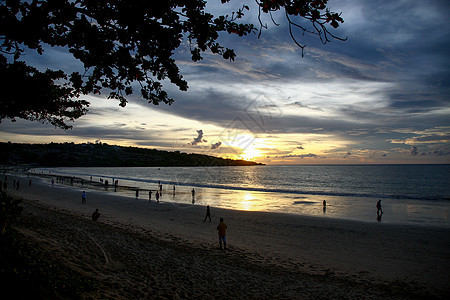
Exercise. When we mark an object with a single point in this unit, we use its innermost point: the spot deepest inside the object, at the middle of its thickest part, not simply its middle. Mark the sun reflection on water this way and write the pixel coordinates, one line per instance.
(247, 202)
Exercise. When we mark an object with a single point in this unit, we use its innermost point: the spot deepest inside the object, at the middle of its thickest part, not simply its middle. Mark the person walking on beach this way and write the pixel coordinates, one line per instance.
(137, 193)
(83, 198)
(157, 197)
(149, 195)
(95, 215)
(208, 214)
(222, 228)
(379, 209)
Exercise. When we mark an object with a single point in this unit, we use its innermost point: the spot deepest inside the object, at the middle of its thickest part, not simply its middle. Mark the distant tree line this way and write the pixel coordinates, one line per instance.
(104, 155)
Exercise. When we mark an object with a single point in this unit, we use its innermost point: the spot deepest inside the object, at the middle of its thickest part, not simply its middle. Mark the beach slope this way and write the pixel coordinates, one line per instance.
(139, 249)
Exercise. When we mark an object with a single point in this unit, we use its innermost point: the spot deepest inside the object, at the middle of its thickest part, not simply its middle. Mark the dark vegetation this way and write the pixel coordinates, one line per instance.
(123, 48)
(104, 155)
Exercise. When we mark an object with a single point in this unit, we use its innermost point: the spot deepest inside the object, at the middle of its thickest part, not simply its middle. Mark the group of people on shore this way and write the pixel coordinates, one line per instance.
(16, 184)
(221, 228)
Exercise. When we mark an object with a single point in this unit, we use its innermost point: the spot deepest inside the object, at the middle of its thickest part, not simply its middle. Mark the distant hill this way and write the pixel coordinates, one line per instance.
(104, 155)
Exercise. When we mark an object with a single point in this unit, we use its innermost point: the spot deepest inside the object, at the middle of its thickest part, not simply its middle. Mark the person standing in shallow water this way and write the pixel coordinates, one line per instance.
(157, 197)
(222, 228)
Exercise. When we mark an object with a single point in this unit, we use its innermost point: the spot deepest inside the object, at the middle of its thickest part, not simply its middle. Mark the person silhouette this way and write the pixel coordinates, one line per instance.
(379, 209)
(83, 197)
(95, 215)
(208, 214)
(222, 230)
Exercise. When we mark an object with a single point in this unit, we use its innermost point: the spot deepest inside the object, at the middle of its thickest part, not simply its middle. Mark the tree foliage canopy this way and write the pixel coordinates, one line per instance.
(119, 43)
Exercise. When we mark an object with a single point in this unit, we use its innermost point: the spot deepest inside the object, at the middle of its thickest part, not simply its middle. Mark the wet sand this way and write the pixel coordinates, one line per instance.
(141, 249)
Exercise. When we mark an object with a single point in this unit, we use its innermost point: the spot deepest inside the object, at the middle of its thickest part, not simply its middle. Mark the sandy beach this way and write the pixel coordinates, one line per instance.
(139, 249)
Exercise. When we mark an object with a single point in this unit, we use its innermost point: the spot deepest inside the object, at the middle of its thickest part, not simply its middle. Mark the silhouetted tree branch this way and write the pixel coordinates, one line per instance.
(119, 43)
(314, 12)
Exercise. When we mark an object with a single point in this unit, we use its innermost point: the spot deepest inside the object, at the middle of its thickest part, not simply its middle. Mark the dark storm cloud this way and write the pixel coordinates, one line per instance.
(116, 131)
(410, 37)
(113, 133)
(199, 139)
(205, 105)
(223, 108)
(379, 49)
(216, 145)
(433, 138)
(29, 128)
(440, 152)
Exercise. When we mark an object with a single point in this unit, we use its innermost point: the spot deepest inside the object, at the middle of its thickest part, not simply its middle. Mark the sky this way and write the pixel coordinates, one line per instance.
(381, 97)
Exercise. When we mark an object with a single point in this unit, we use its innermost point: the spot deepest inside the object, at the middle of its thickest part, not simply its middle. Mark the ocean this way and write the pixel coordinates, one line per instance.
(410, 194)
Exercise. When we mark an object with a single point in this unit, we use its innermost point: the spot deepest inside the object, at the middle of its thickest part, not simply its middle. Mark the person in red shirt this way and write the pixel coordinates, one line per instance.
(222, 228)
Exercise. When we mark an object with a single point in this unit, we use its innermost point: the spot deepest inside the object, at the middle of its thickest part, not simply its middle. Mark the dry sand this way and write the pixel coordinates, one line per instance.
(139, 249)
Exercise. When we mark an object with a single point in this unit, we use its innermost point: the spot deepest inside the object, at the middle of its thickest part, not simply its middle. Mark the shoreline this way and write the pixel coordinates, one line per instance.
(397, 212)
(351, 250)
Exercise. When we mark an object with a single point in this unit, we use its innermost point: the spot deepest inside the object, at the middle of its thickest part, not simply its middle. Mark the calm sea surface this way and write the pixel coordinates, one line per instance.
(411, 194)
